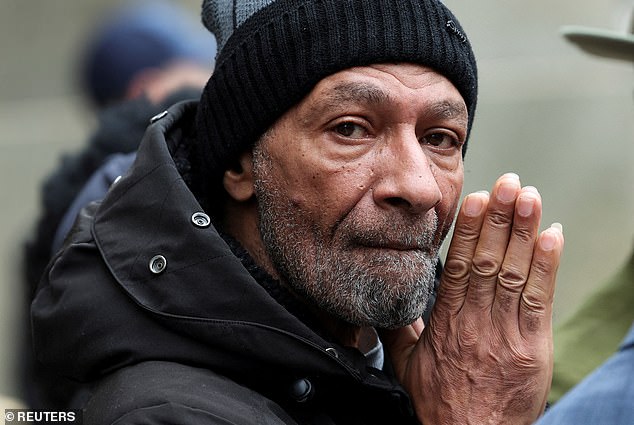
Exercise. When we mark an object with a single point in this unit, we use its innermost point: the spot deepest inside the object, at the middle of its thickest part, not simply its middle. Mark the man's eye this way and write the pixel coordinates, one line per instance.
(350, 129)
(441, 141)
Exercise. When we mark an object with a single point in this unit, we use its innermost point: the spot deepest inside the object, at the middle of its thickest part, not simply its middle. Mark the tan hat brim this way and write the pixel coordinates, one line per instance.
(605, 43)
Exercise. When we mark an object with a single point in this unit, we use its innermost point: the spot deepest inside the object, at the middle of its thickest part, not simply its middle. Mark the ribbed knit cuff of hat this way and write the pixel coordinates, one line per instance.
(272, 53)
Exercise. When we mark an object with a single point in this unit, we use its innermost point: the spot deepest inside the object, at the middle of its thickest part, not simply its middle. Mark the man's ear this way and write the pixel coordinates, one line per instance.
(238, 181)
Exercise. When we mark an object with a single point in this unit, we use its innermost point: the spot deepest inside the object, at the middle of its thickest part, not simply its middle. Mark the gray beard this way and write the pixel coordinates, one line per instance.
(341, 274)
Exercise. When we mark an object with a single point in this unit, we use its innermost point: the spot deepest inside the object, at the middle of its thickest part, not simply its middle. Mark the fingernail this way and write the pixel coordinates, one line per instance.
(525, 205)
(473, 205)
(557, 226)
(549, 238)
(532, 189)
(511, 175)
(506, 192)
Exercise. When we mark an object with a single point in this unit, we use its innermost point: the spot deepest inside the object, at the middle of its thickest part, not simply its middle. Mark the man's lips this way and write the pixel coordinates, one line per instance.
(395, 247)
(391, 245)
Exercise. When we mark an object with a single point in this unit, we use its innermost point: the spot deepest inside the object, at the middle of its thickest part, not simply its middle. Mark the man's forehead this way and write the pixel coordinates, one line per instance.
(360, 86)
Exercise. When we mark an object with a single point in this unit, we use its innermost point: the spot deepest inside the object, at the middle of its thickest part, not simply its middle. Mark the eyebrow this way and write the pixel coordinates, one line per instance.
(354, 92)
(351, 92)
(360, 92)
(450, 110)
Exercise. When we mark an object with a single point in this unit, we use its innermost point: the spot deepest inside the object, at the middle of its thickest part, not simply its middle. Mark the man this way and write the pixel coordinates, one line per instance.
(242, 270)
(602, 381)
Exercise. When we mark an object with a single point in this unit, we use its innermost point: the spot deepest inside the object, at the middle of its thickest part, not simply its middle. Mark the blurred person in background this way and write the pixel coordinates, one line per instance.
(143, 58)
(144, 47)
(136, 56)
(604, 322)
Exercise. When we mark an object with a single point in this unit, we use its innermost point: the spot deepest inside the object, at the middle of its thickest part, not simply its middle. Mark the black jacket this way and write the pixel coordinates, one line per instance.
(189, 337)
(120, 129)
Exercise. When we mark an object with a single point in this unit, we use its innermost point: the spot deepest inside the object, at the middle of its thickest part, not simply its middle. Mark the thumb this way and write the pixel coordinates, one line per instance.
(400, 343)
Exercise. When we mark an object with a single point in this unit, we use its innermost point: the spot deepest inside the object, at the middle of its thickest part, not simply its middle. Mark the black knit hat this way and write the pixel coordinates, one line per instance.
(273, 52)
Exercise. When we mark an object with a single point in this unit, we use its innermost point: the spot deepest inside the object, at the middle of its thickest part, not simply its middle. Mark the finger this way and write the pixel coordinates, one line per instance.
(536, 304)
(457, 268)
(519, 255)
(493, 242)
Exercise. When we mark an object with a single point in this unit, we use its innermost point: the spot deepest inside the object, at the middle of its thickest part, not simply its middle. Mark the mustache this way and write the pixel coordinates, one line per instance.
(392, 231)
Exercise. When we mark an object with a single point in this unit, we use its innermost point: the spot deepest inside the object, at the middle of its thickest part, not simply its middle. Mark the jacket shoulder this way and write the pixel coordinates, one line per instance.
(172, 393)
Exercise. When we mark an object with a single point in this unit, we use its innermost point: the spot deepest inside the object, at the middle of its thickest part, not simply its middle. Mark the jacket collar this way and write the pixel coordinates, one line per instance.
(167, 246)
(182, 271)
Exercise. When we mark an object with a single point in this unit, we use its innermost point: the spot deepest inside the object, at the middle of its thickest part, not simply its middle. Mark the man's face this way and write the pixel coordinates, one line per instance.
(357, 186)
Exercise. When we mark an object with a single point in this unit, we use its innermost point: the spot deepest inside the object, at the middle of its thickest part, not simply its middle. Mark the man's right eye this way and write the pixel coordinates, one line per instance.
(351, 130)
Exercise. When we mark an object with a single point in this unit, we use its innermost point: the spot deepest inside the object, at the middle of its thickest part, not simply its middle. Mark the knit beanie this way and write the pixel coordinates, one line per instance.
(271, 53)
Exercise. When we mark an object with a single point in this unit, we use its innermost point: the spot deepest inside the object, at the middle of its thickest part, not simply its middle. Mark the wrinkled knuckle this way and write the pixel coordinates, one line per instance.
(485, 266)
(467, 233)
(456, 269)
(511, 278)
(533, 301)
(541, 269)
(524, 234)
(500, 219)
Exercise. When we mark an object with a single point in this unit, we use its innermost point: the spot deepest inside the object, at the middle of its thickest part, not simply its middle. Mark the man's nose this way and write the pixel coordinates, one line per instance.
(407, 179)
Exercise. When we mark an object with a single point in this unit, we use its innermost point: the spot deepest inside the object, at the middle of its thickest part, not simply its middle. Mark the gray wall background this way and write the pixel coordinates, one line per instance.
(559, 118)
